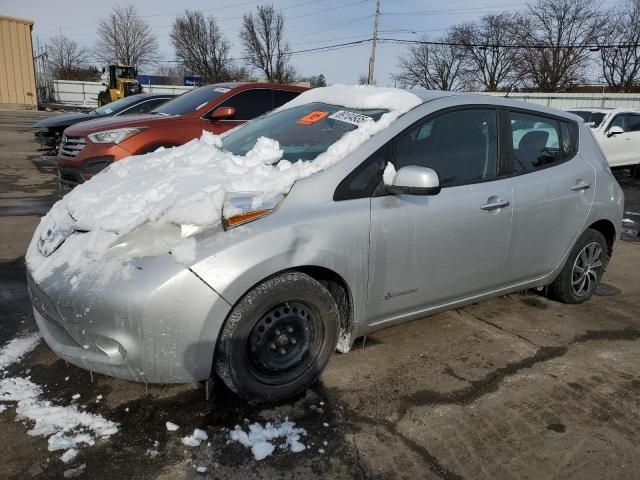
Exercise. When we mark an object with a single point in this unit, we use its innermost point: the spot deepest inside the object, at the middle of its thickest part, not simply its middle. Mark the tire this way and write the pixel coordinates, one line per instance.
(571, 286)
(278, 338)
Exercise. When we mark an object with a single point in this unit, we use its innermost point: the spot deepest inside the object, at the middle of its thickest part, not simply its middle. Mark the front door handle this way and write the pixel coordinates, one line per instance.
(581, 186)
(495, 205)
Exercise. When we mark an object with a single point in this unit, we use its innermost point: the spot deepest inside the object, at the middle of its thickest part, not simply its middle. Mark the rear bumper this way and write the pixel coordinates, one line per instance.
(159, 326)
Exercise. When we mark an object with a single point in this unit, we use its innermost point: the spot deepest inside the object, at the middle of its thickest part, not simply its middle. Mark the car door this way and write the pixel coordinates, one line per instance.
(429, 250)
(617, 148)
(553, 189)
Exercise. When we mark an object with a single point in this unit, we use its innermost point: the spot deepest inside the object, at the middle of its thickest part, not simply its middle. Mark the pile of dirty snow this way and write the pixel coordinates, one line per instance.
(17, 348)
(65, 427)
(261, 438)
(186, 185)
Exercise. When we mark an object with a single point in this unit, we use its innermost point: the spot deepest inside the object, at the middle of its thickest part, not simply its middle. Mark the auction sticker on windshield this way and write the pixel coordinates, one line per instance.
(350, 117)
(313, 117)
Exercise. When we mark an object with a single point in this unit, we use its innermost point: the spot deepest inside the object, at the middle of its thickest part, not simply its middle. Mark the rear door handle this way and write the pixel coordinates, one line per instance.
(495, 205)
(581, 186)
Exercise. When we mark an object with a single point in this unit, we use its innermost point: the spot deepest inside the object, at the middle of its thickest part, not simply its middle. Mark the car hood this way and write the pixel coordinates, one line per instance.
(65, 119)
(112, 123)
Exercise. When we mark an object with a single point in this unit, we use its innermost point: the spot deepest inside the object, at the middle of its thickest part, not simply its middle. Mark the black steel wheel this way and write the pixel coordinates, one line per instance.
(278, 338)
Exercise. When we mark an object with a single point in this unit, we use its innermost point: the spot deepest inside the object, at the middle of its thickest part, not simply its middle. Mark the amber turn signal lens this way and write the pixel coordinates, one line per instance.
(245, 217)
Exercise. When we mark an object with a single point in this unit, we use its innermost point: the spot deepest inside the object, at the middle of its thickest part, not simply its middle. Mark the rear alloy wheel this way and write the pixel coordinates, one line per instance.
(278, 338)
(583, 270)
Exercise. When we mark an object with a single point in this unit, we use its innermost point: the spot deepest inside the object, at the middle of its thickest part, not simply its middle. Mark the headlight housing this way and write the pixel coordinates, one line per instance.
(244, 207)
(151, 239)
(114, 136)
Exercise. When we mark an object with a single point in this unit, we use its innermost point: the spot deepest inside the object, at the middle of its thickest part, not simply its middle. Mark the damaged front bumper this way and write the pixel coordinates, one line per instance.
(160, 325)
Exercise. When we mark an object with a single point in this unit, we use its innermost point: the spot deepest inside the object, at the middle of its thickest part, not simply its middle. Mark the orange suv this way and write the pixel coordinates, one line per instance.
(89, 147)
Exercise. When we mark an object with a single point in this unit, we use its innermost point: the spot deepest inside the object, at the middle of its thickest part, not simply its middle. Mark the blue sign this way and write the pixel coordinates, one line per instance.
(192, 81)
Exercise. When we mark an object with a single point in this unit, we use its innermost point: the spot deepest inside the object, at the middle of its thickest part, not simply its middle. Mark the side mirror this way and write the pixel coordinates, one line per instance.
(614, 131)
(415, 180)
(222, 113)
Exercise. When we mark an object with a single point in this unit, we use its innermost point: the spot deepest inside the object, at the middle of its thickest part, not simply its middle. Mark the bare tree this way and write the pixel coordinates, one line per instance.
(363, 79)
(489, 60)
(264, 45)
(202, 47)
(557, 35)
(434, 65)
(67, 60)
(620, 46)
(126, 39)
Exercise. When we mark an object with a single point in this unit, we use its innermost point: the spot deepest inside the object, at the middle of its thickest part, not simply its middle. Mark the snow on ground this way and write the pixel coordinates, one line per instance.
(65, 426)
(195, 438)
(186, 185)
(17, 348)
(261, 439)
(172, 427)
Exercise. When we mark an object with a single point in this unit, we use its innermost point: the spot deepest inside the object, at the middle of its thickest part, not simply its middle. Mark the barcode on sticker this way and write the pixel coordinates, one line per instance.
(350, 117)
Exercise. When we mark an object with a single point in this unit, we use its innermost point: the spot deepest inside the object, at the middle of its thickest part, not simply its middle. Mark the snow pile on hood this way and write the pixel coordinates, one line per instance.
(260, 439)
(187, 185)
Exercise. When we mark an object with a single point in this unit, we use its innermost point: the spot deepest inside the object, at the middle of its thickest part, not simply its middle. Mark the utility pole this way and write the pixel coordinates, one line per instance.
(372, 59)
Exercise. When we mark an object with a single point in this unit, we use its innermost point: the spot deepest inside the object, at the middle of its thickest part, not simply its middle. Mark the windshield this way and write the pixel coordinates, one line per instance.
(115, 107)
(593, 119)
(190, 101)
(304, 132)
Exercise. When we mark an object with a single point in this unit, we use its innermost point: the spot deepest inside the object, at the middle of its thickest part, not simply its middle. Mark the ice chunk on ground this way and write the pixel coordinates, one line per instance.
(260, 439)
(69, 455)
(201, 469)
(186, 185)
(17, 348)
(65, 426)
(262, 449)
(76, 396)
(2, 408)
(172, 427)
(75, 472)
(195, 438)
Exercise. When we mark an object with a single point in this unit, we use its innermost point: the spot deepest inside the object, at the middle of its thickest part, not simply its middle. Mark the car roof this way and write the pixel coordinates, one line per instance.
(249, 85)
(601, 109)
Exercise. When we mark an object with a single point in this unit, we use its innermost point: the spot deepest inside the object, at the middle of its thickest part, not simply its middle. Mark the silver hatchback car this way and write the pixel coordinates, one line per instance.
(457, 199)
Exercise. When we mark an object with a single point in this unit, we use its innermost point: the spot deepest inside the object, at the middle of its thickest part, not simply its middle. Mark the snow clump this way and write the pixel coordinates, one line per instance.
(260, 439)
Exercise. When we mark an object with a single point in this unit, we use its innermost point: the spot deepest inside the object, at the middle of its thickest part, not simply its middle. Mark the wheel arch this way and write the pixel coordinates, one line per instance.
(338, 288)
(608, 230)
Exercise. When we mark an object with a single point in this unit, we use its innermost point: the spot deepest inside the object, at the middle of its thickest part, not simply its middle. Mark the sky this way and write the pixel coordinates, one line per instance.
(308, 23)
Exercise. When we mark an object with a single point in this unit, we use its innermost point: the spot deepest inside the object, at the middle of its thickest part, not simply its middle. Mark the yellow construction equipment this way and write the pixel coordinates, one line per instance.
(122, 83)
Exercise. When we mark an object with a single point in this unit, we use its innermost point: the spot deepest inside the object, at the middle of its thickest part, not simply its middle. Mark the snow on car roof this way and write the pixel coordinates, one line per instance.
(186, 185)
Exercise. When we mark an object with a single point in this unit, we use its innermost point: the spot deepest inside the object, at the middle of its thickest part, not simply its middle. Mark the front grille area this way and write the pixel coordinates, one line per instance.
(71, 146)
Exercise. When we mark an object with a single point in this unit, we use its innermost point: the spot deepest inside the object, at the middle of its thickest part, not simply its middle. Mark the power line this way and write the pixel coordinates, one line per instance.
(507, 45)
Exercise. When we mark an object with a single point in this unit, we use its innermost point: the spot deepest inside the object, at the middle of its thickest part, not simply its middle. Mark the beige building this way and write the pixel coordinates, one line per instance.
(17, 76)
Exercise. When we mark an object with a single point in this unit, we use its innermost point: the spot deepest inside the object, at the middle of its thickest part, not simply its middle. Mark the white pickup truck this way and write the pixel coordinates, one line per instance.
(618, 132)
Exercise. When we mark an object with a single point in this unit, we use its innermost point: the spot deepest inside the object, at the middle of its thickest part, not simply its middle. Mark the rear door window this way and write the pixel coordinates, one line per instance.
(536, 142)
(250, 103)
(633, 122)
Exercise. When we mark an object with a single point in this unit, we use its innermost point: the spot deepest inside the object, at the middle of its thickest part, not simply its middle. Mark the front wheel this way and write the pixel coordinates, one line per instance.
(583, 270)
(278, 338)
